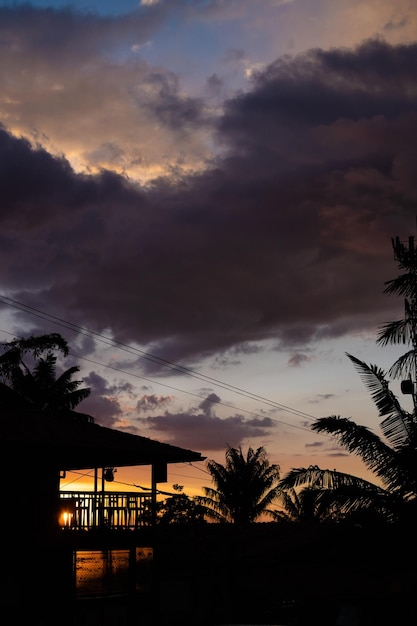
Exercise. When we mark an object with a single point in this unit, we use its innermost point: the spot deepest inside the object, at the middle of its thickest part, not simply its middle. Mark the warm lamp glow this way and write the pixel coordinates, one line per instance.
(66, 514)
(65, 519)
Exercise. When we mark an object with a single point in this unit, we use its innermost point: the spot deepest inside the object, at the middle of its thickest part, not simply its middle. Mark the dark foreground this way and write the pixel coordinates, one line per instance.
(213, 575)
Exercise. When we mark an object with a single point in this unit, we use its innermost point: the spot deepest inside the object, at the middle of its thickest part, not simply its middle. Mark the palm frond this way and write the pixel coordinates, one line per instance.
(404, 285)
(245, 485)
(384, 461)
(328, 494)
(396, 426)
(404, 366)
(314, 476)
(214, 505)
(392, 333)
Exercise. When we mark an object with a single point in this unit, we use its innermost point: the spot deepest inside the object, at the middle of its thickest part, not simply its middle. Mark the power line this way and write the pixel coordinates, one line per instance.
(137, 352)
(81, 475)
(165, 363)
(190, 393)
(185, 371)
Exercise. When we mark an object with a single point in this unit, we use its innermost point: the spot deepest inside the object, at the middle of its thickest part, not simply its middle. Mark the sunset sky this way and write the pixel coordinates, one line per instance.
(200, 196)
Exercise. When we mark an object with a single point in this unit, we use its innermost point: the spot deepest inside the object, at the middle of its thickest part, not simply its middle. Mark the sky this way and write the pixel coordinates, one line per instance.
(200, 196)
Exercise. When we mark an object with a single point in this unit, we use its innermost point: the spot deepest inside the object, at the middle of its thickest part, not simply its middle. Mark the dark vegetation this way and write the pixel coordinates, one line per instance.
(246, 487)
(341, 550)
(337, 549)
(29, 379)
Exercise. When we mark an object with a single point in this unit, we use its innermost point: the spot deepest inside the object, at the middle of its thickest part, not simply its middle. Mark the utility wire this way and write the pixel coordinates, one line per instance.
(119, 482)
(165, 363)
(148, 356)
(190, 393)
(230, 406)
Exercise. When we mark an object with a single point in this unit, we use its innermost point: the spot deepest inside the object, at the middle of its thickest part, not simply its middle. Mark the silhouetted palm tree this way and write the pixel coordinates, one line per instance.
(404, 331)
(245, 487)
(313, 494)
(392, 458)
(308, 505)
(29, 377)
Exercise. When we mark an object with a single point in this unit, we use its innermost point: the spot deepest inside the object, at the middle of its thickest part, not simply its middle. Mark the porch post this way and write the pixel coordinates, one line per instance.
(153, 495)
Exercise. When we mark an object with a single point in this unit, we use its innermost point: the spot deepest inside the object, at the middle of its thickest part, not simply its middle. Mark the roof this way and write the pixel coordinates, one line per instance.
(73, 444)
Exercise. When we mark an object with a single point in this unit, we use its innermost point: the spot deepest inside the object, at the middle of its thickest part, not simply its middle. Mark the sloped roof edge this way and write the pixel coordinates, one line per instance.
(71, 444)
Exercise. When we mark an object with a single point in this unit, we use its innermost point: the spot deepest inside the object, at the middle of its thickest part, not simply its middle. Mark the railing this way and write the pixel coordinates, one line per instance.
(116, 510)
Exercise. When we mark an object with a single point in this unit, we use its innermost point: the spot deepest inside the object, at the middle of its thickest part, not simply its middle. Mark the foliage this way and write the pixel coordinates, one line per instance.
(404, 331)
(392, 457)
(306, 505)
(28, 376)
(245, 486)
(179, 509)
(315, 495)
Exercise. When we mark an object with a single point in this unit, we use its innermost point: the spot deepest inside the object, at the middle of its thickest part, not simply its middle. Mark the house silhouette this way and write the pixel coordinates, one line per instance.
(37, 560)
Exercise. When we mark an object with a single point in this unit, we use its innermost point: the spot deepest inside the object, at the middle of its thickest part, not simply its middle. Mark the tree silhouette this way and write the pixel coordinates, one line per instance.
(245, 486)
(28, 376)
(314, 504)
(178, 508)
(392, 457)
(315, 495)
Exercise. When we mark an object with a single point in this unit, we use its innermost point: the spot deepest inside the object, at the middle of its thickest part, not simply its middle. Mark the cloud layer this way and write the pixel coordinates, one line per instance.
(198, 226)
(286, 235)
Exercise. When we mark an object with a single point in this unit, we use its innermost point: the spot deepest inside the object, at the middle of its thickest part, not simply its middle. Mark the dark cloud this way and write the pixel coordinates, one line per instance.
(316, 444)
(152, 402)
(205, 431)
(214, 85)
(32, 30)
(321, 87)
(321, 396)
(396, 25)
(207, 405)
(104, 399)
(171, 109)
(298, 359)
(286, 236)
(338, 454)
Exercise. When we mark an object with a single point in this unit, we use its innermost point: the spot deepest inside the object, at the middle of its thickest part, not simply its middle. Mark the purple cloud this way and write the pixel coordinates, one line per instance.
(286, 236)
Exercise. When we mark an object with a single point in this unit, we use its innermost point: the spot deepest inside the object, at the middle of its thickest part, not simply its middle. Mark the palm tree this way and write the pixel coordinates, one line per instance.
(392, 457)
(245, 487)
(404, 331)
(316, 495)
(310, 505)
(302, 506)
(29, 377)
